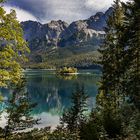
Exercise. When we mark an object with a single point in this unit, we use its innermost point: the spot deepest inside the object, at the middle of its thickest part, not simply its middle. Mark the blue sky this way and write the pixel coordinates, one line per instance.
(67, 10)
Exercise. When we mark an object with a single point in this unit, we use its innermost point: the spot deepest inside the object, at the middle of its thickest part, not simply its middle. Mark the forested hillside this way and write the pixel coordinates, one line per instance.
(61, 41)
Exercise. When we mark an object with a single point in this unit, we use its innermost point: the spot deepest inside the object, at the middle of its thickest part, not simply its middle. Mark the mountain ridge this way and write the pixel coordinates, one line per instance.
(55, 32)
(60, 39)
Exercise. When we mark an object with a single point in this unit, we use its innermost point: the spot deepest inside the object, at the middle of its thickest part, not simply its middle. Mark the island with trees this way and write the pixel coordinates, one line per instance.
(67, 71)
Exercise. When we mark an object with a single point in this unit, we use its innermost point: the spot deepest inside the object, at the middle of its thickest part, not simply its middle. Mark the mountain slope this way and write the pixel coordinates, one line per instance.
(61, 40)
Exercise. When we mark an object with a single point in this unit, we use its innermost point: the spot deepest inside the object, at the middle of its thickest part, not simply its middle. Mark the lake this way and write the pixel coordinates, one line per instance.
(52, 93)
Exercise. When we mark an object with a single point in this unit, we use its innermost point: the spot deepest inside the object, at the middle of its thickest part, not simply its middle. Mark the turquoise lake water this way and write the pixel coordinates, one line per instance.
(52, 93)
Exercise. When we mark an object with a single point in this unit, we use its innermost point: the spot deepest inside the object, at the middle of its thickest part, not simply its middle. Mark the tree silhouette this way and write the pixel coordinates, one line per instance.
(19, 111)
(74, 117)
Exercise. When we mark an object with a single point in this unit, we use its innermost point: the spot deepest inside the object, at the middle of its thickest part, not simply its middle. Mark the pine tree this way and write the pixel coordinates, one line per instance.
(19, 110)
(110, 98)
(132, 54)
(74, 117)
(112, 50)
(131, 79)
(12, 48)
(121, 72)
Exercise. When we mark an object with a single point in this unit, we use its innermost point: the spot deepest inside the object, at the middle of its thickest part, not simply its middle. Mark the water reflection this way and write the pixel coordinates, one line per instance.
(52, 93)
(68, 77)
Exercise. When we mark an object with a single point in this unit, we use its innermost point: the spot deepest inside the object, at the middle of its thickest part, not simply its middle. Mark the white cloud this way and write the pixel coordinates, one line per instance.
(70, 10)
(22, 15)
(100, 5)
(67, 10)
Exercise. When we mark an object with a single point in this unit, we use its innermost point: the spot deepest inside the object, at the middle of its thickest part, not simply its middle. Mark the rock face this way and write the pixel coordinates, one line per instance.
(35, 32)
(58, 34)
(80, 32)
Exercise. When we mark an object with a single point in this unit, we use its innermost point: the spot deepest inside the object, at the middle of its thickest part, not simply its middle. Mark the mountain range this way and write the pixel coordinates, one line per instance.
(60, 40)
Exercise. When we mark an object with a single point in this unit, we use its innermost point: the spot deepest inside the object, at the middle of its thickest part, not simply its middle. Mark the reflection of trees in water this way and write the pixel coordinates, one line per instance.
(46, 93)
(54, 100)
(52, 93)
(67, 76)
(48, 99)
(18, 111)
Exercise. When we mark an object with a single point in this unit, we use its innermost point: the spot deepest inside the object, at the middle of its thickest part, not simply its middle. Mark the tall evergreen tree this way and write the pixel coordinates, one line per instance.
(131, 79)
(112, 50)
(110, 98)
(121, 72)
(132, 53)
(74, 117)
(19, 110)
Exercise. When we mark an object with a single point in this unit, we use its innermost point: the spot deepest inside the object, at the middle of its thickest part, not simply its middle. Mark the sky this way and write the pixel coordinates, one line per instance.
(66, 10)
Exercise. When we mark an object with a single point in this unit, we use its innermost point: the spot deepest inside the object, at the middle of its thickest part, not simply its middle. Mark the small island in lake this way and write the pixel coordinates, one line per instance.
(67, 70)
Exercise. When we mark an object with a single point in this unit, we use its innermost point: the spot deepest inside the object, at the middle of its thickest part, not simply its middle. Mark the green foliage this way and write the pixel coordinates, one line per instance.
(117, 112)
(131, 79)
(62, 133)
(110, 99)
(121, 73)
(75, 117)
(83, 60)
(89, 132)
(67, 77)
(12, 48)
(44, 134)
(1, 1)
(132, 40)
(19, 111)
(65, 70)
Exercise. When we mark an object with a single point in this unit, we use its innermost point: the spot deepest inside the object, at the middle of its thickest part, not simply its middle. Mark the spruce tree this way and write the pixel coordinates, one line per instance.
(19, 110)
(120, 86)
(131, 79)
(132, 54)
(110, 98)
(74, 117)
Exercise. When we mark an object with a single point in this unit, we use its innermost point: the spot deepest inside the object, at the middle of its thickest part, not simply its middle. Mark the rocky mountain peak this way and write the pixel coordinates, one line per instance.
(109, 11)
(78, 25)
(61, 34)
(32, 29)
(52, 31)
(57, 24)
(97, 16)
